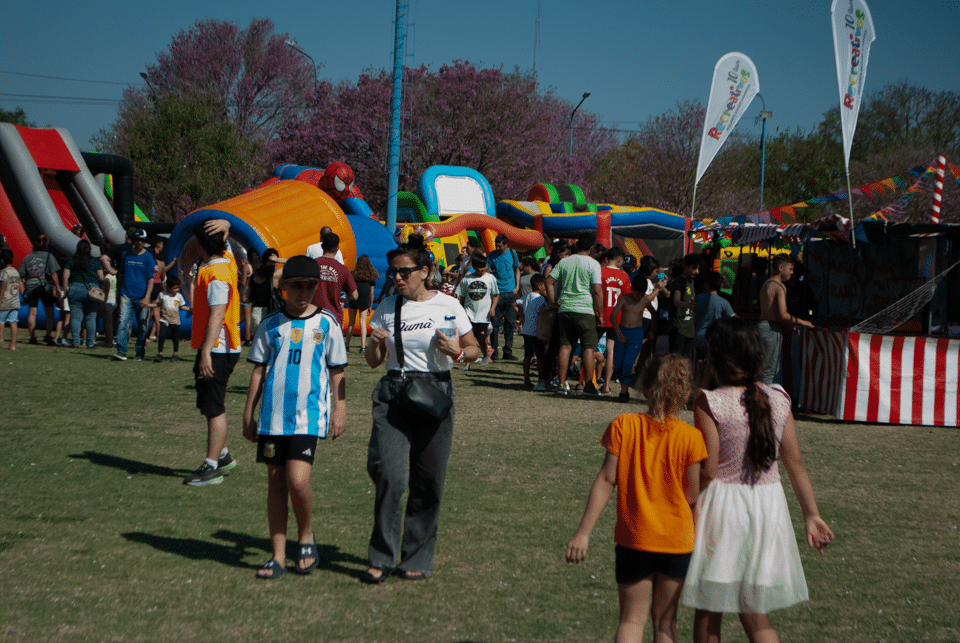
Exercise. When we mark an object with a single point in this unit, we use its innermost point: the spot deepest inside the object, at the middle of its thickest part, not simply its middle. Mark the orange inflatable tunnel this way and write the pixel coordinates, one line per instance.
(286, 215)
(522, 240)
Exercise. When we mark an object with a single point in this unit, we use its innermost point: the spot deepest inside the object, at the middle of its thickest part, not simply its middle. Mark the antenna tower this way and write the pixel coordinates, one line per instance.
(536, 38)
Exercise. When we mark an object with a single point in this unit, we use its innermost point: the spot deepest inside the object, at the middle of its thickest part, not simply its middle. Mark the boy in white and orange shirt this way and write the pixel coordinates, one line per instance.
(216, 336)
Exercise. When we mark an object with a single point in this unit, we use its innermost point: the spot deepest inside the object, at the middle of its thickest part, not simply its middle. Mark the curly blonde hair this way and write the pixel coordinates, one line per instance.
(666, 385)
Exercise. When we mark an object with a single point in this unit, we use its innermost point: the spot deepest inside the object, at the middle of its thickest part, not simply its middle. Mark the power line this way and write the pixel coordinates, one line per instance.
(76, 80)
(61, 100)
(31, 101)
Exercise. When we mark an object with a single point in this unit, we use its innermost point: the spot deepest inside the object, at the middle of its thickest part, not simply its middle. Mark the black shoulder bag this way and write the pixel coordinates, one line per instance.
(419, 395)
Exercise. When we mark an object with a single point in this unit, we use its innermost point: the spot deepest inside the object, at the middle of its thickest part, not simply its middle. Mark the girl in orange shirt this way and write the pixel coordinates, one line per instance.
(654, 462)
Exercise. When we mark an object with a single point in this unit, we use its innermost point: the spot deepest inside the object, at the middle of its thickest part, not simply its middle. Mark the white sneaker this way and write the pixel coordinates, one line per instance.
(563, 390)
(467, 367)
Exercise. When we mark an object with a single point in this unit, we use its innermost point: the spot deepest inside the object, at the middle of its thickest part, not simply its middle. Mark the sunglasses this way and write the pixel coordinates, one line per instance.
(300, 284)
(403, 272)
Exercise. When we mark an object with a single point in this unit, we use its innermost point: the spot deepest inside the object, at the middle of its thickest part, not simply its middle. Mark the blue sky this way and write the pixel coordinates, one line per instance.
(636, 58)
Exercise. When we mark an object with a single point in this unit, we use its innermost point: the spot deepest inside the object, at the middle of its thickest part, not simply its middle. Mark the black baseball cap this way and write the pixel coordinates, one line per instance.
(301, 267)
(138, 235)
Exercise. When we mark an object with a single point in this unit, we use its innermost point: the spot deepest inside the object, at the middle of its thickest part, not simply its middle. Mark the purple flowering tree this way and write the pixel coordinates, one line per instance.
(500, 124)
(205, 125)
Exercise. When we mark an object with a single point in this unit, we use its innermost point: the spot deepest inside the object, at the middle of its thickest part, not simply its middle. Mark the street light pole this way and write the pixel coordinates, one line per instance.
(585, 94)
(143, 75)
(764, 115)
(296, 47)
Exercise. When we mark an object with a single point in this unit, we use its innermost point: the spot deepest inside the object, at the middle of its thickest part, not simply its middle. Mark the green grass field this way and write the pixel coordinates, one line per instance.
(100, 541)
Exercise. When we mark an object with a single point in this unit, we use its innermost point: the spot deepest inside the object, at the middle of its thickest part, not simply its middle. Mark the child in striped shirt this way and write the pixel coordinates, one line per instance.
(298, 355)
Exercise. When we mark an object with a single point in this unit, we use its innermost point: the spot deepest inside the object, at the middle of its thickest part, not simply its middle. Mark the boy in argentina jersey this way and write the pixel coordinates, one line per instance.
(298, 356)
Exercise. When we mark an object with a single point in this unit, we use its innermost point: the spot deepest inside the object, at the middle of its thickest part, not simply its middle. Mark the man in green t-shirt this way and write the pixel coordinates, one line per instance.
(579, 311)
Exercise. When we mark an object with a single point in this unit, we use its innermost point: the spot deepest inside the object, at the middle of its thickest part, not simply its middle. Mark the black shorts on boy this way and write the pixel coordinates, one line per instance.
(212, 393)
(280, 449)
(533, 347)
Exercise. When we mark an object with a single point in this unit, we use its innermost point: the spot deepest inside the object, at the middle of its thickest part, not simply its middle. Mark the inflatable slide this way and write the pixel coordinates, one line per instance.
(46, 188)
(563, 212)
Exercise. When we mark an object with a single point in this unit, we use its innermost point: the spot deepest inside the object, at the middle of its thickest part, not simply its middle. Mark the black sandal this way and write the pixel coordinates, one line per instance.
(370, 579)
(308, 550)
(276, 570)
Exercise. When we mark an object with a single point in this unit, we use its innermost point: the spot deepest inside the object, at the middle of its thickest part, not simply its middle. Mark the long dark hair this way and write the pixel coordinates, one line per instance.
(735, 355)
(558, 247)
(265, 270)
(364, 270)
(81, 258)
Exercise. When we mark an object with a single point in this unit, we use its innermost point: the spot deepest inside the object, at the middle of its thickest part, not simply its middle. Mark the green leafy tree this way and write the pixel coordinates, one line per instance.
(657, 167)
(17, 117)
(186, 154)
(243, 81)
(900, 127)
(798, 167)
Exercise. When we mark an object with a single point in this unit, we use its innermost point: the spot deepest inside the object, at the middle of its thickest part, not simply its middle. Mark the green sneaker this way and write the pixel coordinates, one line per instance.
(226, 463)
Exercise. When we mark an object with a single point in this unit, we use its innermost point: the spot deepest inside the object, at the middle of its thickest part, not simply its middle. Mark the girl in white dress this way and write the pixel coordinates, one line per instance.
(745, 559)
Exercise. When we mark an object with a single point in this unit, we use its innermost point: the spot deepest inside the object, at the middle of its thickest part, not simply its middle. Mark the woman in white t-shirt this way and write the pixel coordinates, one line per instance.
(435, 332)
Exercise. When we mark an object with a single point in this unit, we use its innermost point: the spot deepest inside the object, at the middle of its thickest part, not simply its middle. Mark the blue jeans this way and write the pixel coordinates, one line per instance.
(505, 317)
(83, 310)
(130, 310)
(770, 333)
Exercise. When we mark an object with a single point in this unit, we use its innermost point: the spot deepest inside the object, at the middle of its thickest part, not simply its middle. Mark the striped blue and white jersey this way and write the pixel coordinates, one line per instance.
(298, 354)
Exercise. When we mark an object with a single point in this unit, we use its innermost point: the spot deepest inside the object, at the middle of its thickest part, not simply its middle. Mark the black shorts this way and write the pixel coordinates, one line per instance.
(533, 347)
(155, 290)
(480, 331)
(212, 393)
(278, 449)
(634, 565)
(41, 295)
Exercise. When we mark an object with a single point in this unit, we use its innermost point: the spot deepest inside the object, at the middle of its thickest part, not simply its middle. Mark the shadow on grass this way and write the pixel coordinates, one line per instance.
(104, 353)
(801, 416)
(130, 466)
(490, 379)
(228, 554)
(238, 546)
(494, 382)
(487, 376)
(231, 390)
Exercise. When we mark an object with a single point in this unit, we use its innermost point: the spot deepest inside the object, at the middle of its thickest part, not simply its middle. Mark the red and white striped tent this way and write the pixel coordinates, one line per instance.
(884, 379)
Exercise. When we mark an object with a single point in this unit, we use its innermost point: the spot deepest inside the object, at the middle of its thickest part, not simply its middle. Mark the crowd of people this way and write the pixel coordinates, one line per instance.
(596, 314)
(585, 303)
